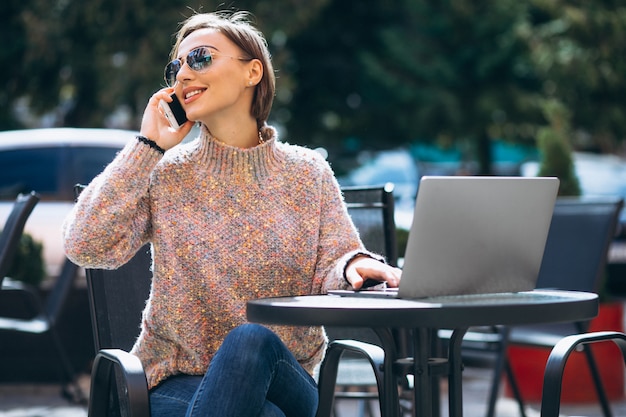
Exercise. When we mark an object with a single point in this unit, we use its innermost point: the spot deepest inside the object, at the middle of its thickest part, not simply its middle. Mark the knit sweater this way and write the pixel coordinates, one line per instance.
(226, 225)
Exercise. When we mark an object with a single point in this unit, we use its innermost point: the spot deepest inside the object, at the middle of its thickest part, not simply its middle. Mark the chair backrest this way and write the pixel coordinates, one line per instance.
(117, 298)
(372, 211)
(13, 229)
(578, 242)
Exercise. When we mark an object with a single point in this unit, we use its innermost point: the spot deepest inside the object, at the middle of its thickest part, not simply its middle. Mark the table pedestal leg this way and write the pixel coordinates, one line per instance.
(455, 385)
(390, 405)
(422, 378)
(426, 394)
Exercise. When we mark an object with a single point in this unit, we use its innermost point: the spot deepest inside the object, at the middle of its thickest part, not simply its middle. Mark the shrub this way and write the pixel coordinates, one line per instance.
(554, 145)
(28, 265)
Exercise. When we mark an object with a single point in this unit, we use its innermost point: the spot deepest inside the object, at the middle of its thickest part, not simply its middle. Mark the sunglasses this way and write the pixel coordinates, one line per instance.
(199, 60)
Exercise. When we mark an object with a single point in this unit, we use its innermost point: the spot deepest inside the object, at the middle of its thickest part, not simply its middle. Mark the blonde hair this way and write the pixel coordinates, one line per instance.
(236, 26)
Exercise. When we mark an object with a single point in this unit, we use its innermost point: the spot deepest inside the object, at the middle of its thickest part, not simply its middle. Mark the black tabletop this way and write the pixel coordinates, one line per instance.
(538, 306)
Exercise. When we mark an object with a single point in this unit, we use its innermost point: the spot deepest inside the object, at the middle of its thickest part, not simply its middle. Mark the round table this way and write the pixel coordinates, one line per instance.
(421, 317)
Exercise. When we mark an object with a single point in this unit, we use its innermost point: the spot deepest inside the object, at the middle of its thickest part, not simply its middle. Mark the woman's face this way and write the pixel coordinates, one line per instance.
(221, 90)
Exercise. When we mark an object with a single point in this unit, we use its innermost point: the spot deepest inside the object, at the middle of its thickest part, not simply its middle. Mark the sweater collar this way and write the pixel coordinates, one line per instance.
(225, 160)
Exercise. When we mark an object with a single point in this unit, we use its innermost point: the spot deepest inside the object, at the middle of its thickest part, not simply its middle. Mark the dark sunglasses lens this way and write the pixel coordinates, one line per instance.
(170, 72)
(199, 59)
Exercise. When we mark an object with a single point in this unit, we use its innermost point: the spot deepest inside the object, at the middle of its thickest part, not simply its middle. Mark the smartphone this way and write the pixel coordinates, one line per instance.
(174, 112)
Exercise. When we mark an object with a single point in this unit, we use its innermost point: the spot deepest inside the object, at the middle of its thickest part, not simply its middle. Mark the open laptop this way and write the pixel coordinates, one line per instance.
(474, 235)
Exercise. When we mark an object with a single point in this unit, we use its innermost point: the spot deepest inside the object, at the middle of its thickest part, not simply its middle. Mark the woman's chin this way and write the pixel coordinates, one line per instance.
(191, 117)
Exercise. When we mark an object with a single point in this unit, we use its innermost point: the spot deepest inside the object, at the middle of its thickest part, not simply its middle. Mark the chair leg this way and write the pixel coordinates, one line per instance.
(326, 383)
(370, 408)
(495, 388)
(597, 381)
(494, 391)
(503, 366)
(595, 374)
(363, 406)
(70, 390)
(514, 387)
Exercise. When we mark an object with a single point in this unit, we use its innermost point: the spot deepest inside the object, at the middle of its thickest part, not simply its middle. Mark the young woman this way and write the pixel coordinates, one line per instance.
(232, 216)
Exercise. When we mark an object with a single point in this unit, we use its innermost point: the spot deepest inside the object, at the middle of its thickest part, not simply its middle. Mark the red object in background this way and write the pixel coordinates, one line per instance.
(528, 364)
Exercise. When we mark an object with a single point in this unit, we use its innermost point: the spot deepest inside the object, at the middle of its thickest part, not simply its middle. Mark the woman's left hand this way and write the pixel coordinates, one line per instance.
(362, 268)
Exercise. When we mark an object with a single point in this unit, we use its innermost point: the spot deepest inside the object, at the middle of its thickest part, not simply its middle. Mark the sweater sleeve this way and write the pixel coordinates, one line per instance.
(111, 219)
(339, 238)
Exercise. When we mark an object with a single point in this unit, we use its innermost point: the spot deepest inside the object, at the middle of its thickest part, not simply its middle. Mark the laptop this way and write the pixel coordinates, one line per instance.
(474, 235)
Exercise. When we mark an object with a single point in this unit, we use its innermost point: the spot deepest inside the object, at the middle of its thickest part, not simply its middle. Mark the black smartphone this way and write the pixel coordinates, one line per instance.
(174, 112)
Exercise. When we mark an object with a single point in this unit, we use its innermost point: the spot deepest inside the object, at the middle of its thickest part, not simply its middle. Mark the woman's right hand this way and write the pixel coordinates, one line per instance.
(362, 268)
(155, 126)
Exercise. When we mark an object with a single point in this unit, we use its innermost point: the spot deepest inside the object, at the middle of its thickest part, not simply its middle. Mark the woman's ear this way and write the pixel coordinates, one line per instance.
(255, 72)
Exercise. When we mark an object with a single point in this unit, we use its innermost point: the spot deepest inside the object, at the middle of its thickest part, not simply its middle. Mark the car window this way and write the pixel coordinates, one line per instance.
(387, 166)
(381, 174)
(24, 170)
(52, 171)
(89, 162)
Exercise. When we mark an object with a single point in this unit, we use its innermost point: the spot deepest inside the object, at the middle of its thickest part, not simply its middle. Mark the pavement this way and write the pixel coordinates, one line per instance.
(29, 400)
(39, 400)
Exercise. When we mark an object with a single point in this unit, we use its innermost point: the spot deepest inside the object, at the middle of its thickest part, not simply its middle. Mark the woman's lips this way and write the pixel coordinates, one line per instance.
(191, 94)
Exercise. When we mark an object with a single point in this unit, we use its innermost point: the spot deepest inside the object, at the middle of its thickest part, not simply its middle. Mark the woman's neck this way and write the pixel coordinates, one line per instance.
(244, 135)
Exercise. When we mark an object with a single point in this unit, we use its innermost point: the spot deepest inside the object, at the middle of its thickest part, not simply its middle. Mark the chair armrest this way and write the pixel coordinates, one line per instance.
(132, 376)
(328, 370)
(375, 354)
(553, 377)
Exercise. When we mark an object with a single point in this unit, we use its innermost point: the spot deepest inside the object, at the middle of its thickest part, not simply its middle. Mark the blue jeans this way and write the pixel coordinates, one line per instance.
(253, 374)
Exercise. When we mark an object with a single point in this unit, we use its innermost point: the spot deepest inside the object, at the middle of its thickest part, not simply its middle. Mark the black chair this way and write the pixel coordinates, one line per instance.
(116, 299)
(14, 228)
(553, 375)
(44, 318)
(43, 324)
(574, 259)
(352, 367)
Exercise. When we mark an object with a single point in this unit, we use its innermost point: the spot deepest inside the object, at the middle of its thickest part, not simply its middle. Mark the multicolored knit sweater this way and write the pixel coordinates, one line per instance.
(226, 225)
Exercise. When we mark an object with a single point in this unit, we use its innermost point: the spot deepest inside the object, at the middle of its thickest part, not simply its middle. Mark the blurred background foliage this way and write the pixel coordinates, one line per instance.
(351, 75)
(28, 264)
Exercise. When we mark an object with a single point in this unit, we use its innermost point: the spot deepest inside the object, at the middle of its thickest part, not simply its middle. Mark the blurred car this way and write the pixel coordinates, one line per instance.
(396, 166)
(51, 162)
(598, 175)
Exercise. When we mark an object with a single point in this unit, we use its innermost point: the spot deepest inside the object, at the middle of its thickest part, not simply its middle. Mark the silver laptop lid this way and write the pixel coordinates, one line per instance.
(477, 235)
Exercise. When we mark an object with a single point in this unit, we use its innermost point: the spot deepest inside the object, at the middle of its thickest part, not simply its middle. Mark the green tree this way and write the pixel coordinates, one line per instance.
(13, 33)
(579, 50)
(435, 69)
(351, 75)
(85, 60)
